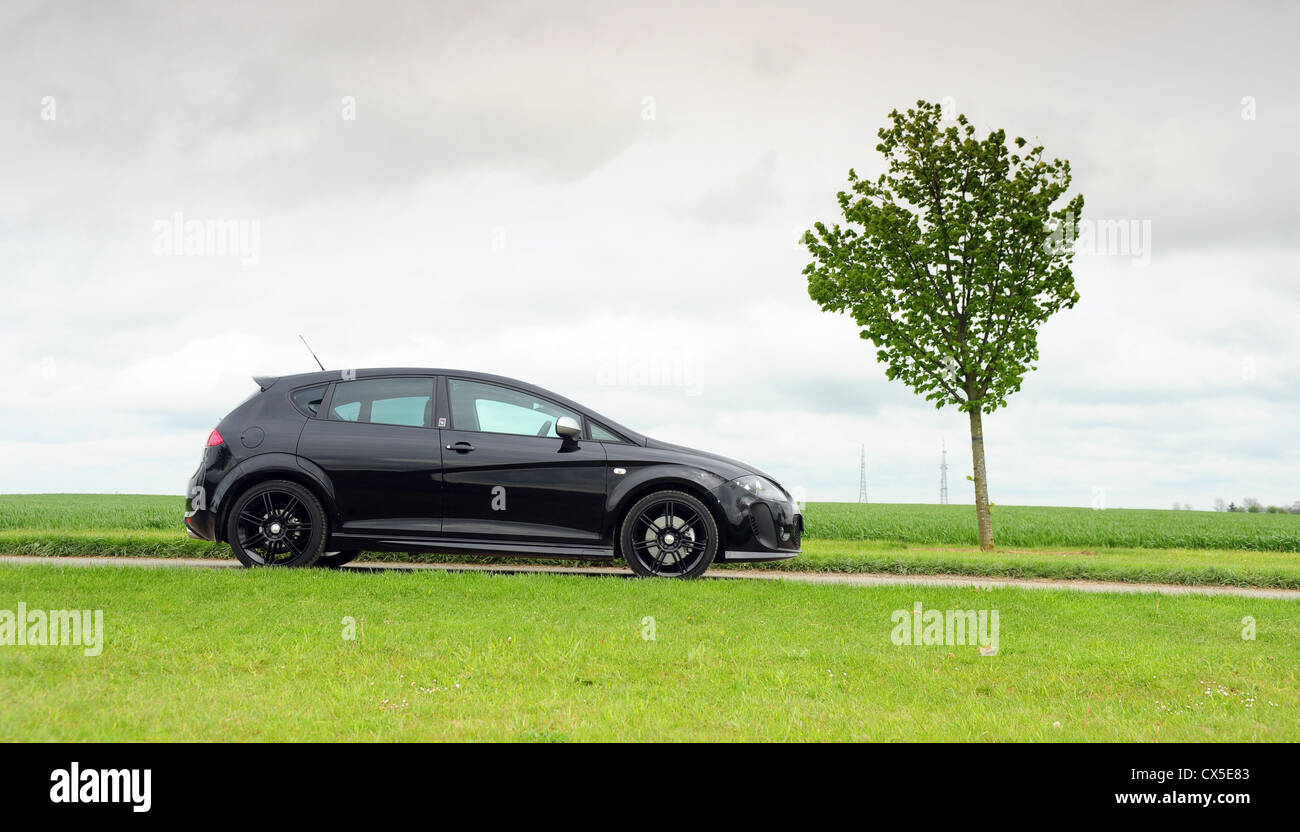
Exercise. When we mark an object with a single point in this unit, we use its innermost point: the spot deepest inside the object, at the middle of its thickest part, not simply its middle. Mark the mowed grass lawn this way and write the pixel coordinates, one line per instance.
(260, 655)
(1184, 547)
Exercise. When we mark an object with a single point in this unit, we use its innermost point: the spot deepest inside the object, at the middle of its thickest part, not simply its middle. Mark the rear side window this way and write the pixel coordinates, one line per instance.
(384, 401)
(308, 400)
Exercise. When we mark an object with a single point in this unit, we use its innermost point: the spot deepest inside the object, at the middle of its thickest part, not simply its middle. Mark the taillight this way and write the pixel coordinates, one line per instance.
(214, 438)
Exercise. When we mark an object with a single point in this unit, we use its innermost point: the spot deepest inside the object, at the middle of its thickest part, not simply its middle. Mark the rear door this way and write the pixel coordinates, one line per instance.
(508, 474)
(377, 443)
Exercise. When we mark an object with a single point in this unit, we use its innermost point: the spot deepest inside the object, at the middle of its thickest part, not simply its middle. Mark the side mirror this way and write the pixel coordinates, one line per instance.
(568, 428)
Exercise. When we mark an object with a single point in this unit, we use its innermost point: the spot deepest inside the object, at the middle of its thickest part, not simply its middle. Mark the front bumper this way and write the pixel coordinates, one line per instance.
(758, 529)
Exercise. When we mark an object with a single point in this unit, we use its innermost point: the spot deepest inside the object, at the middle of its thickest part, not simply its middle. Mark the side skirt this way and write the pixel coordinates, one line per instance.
(754, 557)
(505, 549)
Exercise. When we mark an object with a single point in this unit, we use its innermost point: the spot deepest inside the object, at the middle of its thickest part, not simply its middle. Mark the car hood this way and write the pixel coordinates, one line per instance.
(721, 465)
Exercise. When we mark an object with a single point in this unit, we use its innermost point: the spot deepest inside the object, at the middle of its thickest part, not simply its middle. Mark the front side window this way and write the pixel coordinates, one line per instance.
(493, 409)
(384, 401)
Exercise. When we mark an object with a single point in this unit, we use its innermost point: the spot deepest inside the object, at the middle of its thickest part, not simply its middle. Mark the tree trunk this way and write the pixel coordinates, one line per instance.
(981, 480)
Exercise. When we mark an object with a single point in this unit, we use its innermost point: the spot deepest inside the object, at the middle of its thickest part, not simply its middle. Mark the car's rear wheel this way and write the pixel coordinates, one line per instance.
(277, 523)
(669, 534)
(333, 560)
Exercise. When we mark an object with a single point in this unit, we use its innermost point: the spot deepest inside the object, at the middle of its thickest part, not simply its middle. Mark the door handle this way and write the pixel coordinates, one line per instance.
(461, 447)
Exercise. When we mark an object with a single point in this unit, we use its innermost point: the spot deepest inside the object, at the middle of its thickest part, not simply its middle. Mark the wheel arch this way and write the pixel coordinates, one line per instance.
(266, 467)
(667, 481)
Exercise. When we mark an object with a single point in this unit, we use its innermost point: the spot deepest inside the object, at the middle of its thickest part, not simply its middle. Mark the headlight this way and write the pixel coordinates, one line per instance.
(762, 487)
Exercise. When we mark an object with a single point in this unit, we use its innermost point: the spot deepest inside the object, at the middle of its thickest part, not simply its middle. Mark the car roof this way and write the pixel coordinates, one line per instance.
(325, 376)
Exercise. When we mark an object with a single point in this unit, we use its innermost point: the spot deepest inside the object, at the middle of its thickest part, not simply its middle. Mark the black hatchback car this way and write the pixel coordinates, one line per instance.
(314, 468)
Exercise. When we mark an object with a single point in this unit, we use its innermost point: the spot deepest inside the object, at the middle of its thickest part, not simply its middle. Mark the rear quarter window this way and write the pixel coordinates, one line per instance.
(308, 400)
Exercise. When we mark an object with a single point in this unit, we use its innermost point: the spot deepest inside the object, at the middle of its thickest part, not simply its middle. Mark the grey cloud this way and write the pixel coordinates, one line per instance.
(742, 198)
(623, 233)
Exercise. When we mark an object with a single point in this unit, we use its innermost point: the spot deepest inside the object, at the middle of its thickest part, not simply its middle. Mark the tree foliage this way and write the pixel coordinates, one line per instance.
(951, 259)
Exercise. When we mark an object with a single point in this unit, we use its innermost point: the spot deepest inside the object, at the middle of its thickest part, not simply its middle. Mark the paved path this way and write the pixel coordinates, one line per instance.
(850, 578)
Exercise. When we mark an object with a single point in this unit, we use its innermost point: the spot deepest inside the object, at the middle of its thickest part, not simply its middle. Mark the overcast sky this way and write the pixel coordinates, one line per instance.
(604, 199)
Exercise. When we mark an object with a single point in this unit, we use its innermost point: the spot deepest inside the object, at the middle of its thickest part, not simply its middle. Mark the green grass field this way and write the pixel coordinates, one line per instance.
(1041, 526)
(1182, 547)
(260, 655)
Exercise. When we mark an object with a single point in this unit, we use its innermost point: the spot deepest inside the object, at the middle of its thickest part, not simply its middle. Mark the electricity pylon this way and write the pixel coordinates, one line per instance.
(943, 475)
(862, 477)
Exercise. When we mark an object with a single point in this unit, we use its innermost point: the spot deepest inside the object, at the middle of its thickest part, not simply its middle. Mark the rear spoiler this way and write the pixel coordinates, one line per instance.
(265, 382)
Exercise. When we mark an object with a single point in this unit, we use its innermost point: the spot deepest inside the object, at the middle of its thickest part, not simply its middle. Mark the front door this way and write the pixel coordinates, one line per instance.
(508, 474)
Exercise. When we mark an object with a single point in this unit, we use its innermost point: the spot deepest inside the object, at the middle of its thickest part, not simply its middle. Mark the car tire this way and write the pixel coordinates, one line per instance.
(333, 560)
(669, 534)
(277, 523)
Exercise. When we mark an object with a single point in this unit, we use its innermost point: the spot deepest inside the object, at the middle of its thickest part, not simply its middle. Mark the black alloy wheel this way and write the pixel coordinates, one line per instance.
(277, 523)
(669, 534)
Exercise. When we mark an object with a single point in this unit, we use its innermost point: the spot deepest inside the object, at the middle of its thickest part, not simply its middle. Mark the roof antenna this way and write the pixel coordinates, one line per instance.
(313, 355)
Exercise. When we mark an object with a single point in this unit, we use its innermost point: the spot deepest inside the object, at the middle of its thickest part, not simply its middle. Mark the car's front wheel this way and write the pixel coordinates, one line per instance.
(277, 523)
(669, 534)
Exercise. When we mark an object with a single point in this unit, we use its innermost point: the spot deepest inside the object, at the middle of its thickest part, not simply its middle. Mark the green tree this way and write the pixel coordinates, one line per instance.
(949, 262)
